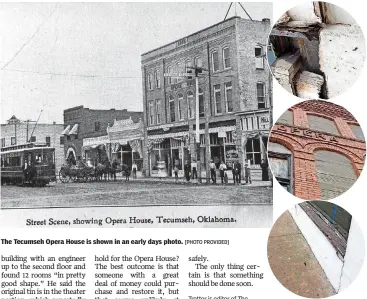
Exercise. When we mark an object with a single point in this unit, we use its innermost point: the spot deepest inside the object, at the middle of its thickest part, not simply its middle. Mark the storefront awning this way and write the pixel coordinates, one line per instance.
(74, 130)
(66, 131)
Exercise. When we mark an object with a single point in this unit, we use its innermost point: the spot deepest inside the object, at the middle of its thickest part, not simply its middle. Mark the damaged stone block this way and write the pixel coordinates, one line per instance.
(285, 68)
(308, 85)
(331, 49)
(341, 56)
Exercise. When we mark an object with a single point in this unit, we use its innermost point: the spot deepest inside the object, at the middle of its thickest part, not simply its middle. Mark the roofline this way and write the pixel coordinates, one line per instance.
(231, 18)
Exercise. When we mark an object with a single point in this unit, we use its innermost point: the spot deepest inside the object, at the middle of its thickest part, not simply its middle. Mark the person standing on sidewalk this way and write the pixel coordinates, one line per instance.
(265, 172)
(248, 173)
(134, 168)
(212, 172)
(187, 169)
(194, 168)
(222, 169)
(239, 169)
(175, 170)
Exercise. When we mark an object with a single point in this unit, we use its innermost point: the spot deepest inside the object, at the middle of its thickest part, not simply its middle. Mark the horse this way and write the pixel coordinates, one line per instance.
(100, 171)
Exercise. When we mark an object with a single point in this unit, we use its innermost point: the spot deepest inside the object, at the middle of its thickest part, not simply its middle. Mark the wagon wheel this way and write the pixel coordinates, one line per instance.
(63, 176)
(74, 178)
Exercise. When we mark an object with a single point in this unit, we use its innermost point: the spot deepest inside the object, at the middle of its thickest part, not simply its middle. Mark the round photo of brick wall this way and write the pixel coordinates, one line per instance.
(316, 50)
(316, 249)
(316, 150)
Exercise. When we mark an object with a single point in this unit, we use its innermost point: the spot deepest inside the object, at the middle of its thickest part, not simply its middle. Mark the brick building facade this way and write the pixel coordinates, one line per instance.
(86, 135)
(16, 132)
(317, 150)
(233, 97)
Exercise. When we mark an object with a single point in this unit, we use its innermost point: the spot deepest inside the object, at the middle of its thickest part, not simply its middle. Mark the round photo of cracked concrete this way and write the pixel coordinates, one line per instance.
(316, 150)
(316, 50)
(316, 249)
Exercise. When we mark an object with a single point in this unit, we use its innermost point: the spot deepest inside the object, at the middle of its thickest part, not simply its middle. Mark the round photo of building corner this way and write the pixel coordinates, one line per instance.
(316, 150)
(316, 249)
(316, 50)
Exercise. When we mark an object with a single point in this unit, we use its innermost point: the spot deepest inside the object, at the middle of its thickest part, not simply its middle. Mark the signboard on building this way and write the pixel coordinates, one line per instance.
(96, 140)
(231, 153)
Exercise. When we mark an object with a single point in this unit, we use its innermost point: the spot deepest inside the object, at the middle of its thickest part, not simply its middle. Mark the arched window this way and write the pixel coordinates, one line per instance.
(172, 111)
(150, 83)
(188, 65)
(198, 62)
(180, 106)
(215, 61)
(280, 162)
(335, 173)
(191, 102)
(169, 71)
(157, 79)
(322, 124)
(178, 70)
(201, 103)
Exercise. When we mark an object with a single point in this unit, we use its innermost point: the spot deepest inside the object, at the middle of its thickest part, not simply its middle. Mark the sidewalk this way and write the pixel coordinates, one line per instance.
(293, 262)
(170, 180)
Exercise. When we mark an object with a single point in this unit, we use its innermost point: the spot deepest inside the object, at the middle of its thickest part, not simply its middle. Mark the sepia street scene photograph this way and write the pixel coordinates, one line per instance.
(135, 105)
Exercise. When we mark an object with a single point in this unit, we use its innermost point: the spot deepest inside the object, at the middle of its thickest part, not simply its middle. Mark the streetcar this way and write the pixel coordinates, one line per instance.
(28, 164)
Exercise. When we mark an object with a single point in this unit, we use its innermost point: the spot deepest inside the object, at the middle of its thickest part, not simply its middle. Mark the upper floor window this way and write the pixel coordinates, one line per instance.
(158, 111)
(198, 62)
(229, 98)
(157, 79)
(226, 58)
(260, 90)
(180, 106)
(62, 140)
(33, 139)
(218, 100)
(201, 103)
(151, 113)
(188, 65)
(48, 141)
(172, 110)
(97, 126)
(178, 70)
(259, 58)
(286, 118)
(215, 61)
(150, 83)
(357, 131)
(169, 72)
(191, 102)
(322, 124)
(2, 142)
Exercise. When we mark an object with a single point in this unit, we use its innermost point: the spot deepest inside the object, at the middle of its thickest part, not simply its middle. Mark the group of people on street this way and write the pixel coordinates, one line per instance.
(190, 171)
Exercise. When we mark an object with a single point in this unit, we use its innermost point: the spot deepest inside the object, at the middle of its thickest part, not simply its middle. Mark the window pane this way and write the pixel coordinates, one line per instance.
(217, 96)
(322, 124)
(229, 97)
(335, 173)
(215, 61)
(249, 147)
(286, 118)
(279, 167)
(226, 58)
(357, 131)
(256, 143)
(172, 109)
(180, 110)
(201, 103)
(257, 52)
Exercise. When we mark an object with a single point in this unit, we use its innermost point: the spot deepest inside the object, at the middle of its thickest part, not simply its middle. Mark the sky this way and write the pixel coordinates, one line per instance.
(55, 56)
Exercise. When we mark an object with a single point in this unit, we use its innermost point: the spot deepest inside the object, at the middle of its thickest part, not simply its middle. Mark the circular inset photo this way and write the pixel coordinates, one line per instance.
(316, 150)
(317, 50)
(316, 249)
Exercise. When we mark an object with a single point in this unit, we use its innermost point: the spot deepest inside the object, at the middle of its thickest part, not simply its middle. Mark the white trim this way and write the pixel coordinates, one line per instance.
(321, 247)
(169, 135)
